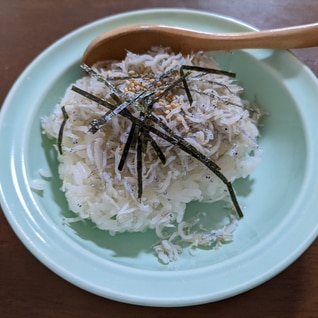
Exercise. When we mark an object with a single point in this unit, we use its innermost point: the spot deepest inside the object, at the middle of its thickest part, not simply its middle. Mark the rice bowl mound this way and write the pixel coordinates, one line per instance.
(218, 123)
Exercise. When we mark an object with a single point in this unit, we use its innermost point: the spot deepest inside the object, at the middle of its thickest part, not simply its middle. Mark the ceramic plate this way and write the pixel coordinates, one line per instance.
(279, 205)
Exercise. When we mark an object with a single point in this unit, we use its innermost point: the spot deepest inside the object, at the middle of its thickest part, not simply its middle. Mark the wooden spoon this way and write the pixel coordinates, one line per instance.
(139, 38)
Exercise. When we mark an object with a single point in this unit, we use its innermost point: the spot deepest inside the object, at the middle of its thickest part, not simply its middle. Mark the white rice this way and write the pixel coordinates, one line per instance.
(222, 128)
(37, 184)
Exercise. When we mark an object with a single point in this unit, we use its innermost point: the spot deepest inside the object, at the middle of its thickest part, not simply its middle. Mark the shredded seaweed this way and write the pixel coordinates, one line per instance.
(60, 136)
(206, 70)
(127, 147)
(139, 164)
(139, 134)
(142, 126)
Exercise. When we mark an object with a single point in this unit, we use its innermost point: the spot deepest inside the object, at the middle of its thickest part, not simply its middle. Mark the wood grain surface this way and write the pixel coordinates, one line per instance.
(27, 287)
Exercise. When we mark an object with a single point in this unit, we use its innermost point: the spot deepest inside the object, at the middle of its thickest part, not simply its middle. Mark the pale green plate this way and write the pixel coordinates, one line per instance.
(279, 200)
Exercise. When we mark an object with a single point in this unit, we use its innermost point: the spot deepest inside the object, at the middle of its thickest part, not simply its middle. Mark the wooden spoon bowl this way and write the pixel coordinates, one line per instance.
(139, 38)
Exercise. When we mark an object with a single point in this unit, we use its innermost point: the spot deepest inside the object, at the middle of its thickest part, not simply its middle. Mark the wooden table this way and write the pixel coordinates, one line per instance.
(28, 288)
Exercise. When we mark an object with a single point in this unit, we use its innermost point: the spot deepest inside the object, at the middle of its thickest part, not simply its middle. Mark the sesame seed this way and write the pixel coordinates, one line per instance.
(179, 119)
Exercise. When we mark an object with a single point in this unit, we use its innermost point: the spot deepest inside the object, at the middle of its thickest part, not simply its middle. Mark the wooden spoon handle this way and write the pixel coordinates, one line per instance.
(284, 38)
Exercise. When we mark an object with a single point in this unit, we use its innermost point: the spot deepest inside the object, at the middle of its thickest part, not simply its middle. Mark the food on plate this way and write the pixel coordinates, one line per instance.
(138, 139)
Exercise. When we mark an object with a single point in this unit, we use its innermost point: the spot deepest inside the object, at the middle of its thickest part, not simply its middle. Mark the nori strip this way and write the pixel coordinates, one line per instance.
(60, 136)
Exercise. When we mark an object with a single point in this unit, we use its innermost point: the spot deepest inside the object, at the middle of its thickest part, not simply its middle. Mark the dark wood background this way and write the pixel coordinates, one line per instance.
(28, 288)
